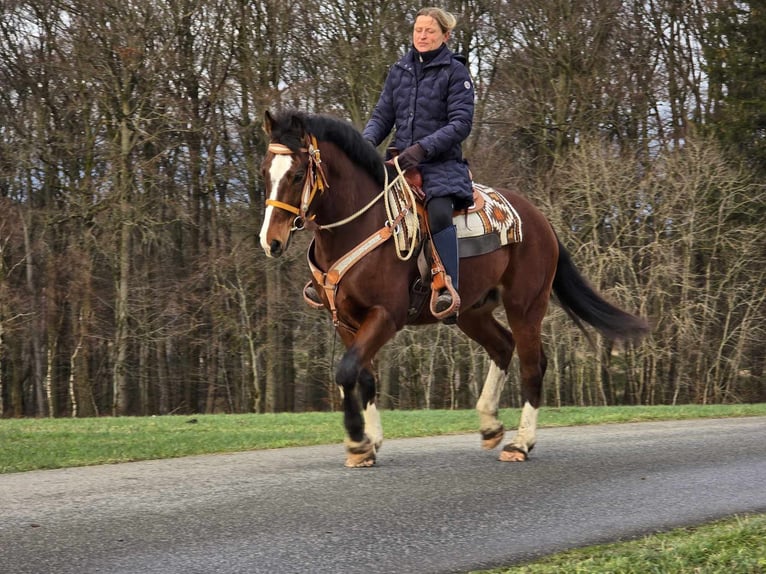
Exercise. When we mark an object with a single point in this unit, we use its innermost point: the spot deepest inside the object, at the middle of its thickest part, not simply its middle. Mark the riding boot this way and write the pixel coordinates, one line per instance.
(445, 244)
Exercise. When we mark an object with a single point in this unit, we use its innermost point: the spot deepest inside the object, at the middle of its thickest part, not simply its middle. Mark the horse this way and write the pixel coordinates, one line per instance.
(320, 174)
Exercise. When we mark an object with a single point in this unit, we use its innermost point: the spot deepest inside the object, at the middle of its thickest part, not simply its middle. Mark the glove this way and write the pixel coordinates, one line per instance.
(411, 157)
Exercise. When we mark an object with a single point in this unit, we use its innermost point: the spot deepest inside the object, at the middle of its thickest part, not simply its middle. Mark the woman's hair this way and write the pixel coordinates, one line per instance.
(446, 20)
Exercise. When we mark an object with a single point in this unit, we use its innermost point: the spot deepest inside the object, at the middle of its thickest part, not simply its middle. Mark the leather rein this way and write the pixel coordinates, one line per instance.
(316, 182)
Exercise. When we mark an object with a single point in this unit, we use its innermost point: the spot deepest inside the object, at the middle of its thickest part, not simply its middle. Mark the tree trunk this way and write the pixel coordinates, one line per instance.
(37, 330)
(121, 398)
(120, 378)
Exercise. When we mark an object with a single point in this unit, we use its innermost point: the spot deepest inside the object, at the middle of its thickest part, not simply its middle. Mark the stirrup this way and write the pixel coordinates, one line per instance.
(311, 297)
(445, 302)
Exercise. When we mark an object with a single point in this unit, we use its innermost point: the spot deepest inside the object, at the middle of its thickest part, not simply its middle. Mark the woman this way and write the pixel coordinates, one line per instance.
(428, 97)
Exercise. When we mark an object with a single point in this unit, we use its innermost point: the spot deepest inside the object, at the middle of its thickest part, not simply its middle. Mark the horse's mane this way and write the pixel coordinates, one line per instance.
(288, 127)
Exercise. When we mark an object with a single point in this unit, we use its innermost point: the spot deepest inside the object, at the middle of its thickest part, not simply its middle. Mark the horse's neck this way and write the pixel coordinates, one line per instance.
(350, 192)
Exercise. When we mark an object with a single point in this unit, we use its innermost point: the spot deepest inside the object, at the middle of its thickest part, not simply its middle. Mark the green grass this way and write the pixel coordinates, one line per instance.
(734, 546)
(29, 444)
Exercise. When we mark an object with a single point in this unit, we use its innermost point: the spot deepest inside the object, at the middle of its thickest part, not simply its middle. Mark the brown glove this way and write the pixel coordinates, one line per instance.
(411, 157)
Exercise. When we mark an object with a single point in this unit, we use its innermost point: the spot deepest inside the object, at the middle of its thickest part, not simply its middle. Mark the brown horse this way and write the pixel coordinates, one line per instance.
(319, 172)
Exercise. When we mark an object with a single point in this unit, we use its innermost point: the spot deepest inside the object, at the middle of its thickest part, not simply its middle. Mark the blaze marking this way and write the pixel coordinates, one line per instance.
(280, 165)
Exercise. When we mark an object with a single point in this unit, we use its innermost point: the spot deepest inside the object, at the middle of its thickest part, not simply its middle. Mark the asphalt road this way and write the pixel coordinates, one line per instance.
(431, 505)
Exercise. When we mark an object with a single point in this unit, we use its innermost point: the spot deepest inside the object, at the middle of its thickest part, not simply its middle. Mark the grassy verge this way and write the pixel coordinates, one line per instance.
(29, 444)
(734, 546)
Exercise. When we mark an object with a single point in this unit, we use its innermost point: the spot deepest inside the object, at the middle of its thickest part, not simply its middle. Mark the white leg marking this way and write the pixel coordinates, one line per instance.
(525, 437)
(280, 165)
(372, 425)
(490, 399)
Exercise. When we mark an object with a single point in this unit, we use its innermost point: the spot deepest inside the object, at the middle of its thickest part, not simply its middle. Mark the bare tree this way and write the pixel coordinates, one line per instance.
(131, 280)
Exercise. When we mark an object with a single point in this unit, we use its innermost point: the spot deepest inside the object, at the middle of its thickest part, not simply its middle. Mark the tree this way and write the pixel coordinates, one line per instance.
(735, 52)
(131, 278)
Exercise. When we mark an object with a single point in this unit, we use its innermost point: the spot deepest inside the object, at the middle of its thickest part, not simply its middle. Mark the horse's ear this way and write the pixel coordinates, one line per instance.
(268, 122)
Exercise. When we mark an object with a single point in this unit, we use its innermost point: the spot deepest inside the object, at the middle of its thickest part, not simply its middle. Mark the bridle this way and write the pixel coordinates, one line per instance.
(315, 182)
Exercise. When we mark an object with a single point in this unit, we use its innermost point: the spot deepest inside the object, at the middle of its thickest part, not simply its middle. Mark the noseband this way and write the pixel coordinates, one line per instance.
(316, 180)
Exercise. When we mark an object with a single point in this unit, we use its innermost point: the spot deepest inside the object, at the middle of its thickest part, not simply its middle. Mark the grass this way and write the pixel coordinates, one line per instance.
(733, 546)
(30, 444)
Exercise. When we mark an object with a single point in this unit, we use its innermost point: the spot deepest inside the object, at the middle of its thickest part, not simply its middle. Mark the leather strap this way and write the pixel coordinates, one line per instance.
(329, 280)
(283, 205)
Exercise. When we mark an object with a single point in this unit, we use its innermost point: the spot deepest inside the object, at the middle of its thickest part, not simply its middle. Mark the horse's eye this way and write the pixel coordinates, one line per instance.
(298, 176)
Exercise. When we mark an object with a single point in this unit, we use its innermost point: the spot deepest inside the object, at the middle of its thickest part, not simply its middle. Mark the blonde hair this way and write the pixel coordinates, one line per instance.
(446, 20)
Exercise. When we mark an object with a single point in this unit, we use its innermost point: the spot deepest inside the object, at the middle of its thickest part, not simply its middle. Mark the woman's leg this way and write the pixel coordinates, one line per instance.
(444, 235)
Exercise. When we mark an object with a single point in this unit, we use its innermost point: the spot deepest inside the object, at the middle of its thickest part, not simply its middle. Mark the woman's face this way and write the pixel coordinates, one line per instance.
(427, 35)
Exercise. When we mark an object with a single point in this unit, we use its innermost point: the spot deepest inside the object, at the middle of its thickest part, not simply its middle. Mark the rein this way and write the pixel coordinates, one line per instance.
(399, 192)
(400, 199)
(353, 216)
(402, 222)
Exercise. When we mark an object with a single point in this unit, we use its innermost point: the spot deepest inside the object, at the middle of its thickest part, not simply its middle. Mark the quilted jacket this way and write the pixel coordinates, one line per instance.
(431, 104)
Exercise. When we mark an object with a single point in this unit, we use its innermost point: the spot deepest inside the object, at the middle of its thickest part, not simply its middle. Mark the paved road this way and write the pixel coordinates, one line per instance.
(431, 505)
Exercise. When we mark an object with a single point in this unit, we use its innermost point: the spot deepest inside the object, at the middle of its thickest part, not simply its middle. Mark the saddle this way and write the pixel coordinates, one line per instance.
(490, 223)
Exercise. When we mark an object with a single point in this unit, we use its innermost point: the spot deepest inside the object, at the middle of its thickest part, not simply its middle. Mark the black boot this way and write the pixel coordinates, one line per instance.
(445, 244)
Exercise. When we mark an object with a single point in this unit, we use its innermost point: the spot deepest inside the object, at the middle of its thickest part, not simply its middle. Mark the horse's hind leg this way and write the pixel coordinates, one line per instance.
(532, 364)
(490, 427)
(481, 326)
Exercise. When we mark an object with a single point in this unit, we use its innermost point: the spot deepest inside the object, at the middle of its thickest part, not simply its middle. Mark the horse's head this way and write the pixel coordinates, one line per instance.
(293, 175)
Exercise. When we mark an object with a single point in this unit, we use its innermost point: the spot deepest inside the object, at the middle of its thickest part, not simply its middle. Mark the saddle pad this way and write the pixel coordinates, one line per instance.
(488, 225)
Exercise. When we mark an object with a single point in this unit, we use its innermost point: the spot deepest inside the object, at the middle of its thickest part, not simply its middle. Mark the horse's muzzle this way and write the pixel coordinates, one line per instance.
(276, 248)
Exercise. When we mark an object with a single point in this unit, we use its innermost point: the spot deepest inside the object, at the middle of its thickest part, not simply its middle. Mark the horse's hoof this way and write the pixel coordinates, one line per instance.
(361, 454)
(512, 453)
(490, 440)
(356, 461)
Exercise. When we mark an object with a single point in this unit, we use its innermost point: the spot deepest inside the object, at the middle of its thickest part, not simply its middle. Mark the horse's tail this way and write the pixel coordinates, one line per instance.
(581, 301)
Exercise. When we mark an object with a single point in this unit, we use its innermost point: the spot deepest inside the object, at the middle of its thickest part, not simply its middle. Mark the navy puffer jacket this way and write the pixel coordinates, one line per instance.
(429, 103)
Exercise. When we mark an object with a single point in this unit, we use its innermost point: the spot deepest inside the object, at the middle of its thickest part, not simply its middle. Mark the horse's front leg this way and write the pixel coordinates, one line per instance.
(362, 421)
(373, 428)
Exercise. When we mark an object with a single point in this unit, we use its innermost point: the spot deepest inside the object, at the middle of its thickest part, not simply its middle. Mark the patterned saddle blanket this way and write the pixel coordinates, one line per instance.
(490, 223)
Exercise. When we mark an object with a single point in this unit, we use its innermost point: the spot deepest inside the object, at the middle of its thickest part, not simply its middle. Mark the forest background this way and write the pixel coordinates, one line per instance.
(131, 280)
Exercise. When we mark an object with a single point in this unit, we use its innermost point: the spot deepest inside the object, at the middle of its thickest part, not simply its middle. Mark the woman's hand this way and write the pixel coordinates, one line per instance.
(411, 157)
